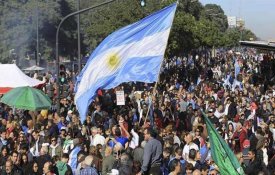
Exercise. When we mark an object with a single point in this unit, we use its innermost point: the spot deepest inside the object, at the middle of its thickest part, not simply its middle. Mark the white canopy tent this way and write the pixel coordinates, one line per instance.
(11, 77)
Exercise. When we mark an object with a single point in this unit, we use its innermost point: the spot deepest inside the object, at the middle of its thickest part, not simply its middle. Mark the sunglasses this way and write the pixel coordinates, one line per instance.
(53, 140)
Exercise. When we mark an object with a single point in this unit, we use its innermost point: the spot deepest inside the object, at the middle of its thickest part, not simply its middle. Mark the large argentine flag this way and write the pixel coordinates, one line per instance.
(132, 53)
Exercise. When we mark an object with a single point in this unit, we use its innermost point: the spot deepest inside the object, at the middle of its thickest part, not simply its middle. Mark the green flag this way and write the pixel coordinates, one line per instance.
(223, 156)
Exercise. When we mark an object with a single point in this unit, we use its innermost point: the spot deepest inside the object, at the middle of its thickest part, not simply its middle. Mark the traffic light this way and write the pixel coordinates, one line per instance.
(62, 74)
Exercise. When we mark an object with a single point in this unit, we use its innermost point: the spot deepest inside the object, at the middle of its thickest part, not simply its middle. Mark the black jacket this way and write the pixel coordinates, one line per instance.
(253, 168)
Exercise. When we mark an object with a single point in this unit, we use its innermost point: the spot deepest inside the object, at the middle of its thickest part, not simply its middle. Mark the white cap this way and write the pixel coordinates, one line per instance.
(63, 128)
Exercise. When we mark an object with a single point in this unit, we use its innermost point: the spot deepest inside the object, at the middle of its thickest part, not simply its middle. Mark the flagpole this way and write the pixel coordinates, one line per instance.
(156, 84)
(154, 90)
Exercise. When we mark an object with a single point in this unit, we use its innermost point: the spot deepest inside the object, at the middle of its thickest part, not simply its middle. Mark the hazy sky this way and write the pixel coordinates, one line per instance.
(259, 15)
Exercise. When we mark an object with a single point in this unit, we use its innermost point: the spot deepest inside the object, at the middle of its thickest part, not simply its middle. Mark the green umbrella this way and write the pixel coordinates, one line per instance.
(27, 98)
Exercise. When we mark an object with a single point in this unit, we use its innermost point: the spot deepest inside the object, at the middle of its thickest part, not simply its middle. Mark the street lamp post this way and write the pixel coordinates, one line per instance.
(57, 44)
(37, 35)
(78, 37)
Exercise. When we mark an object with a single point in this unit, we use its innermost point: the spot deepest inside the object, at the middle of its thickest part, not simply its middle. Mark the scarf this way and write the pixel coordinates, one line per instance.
(53, 149)
(66, 145)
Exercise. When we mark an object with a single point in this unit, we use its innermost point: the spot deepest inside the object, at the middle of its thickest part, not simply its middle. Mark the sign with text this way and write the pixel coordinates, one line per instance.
(120, 99)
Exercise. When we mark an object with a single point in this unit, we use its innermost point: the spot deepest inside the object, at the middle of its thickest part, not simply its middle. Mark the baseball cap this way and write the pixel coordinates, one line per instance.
(63, 128)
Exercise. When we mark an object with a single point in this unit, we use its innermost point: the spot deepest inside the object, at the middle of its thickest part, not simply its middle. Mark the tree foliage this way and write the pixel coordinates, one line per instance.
(194, 25)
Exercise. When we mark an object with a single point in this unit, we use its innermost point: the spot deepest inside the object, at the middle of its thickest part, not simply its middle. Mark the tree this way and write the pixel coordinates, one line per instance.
(208, 33)
(215, 14)
(233, 35)
(19, 26)
(194, 25)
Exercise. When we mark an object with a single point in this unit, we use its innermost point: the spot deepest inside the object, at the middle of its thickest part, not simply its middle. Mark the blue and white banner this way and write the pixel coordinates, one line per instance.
(132, 53)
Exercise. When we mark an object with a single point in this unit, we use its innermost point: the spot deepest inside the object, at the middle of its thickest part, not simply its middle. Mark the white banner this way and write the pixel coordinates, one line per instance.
(120, 99)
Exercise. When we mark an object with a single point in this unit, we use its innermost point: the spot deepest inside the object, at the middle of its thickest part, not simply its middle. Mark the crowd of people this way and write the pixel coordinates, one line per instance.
(160, 130)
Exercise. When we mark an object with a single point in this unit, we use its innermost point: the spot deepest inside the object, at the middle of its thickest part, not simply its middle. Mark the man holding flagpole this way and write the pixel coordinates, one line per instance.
(132, 53)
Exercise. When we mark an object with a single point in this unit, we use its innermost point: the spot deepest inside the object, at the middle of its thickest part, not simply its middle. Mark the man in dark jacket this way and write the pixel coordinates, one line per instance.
(152, 154)
(232, 109)
(43, 158)
(254, 166)
(10, 169)
(255, 137)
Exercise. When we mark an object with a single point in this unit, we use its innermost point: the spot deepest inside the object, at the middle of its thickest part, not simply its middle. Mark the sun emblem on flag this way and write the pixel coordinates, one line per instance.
(113, 61)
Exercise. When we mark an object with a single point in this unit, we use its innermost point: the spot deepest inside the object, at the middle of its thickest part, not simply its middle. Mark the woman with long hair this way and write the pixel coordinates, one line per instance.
(229, 134)
(97, 158)
(4, 155)
(33, 169)
(24, 163)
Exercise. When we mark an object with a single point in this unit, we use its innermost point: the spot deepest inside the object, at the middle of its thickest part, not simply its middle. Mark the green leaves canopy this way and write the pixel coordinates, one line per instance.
(194, 25)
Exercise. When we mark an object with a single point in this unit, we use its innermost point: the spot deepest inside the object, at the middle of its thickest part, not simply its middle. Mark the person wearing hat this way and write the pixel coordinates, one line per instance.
(212, 117)
(69, 115)
(62, 123)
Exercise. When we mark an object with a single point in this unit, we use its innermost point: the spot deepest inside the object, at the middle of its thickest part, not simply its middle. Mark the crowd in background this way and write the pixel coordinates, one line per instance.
(160, 130)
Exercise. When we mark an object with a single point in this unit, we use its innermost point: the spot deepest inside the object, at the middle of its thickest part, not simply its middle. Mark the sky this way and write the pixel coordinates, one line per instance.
(259, 15)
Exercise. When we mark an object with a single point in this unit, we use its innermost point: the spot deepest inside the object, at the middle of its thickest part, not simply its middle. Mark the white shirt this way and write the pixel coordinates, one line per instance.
(226, 109)
(218, 114)
(186, 149)
(265, 156)
(97, 139)
(176, 139)
(135, 139)
(36, 148)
